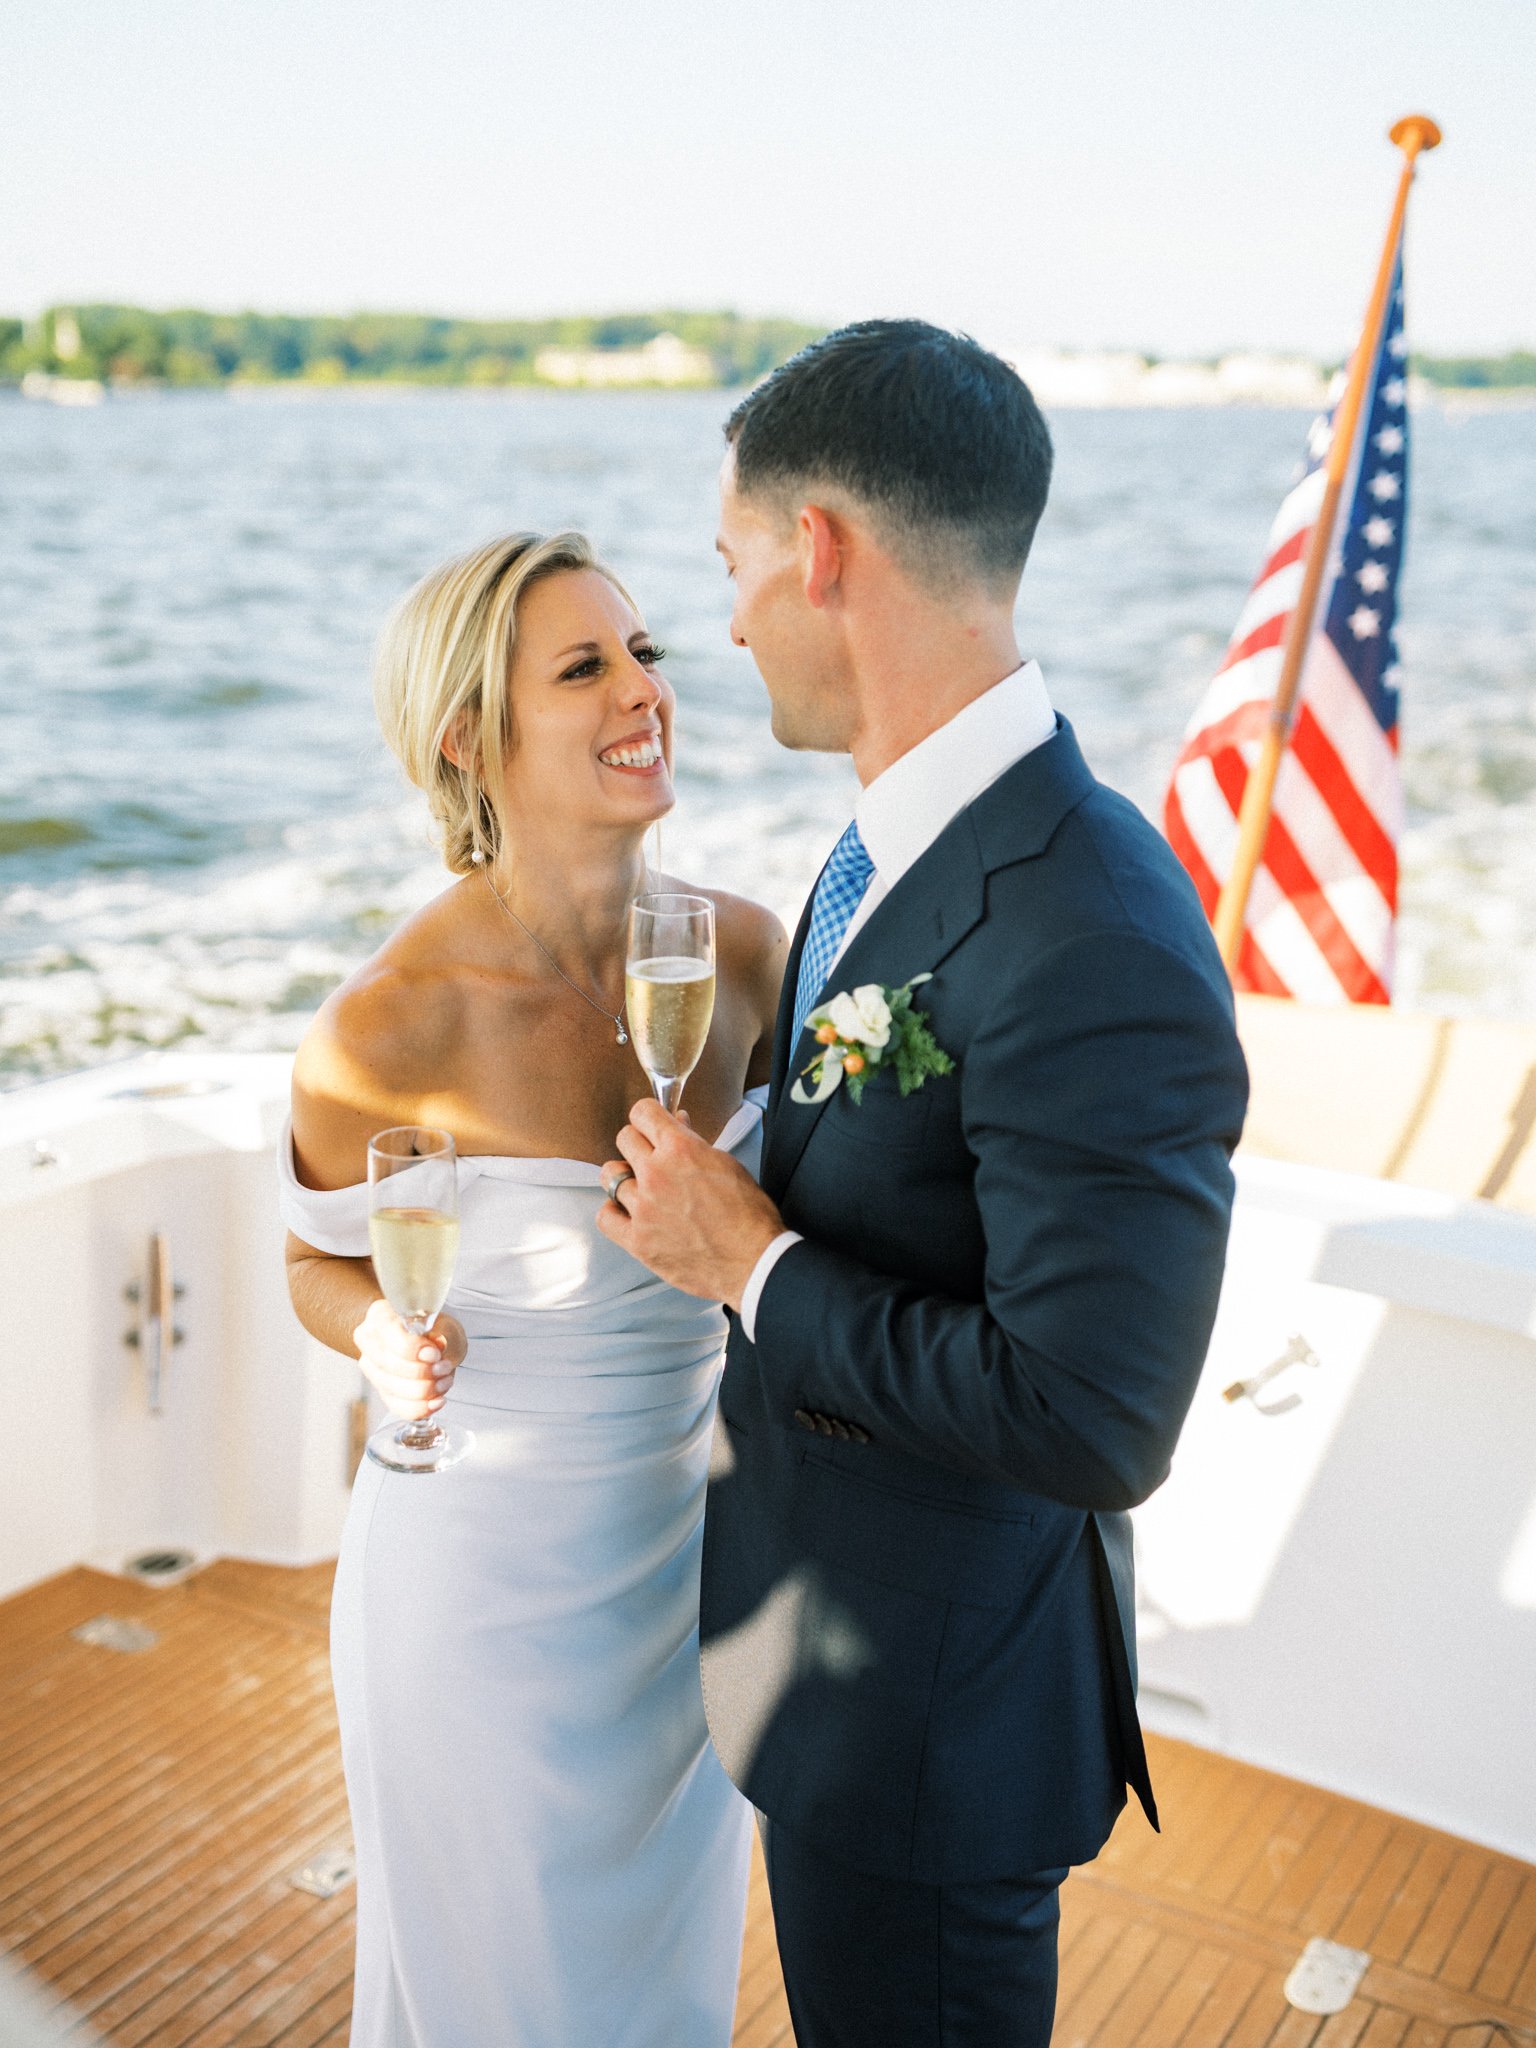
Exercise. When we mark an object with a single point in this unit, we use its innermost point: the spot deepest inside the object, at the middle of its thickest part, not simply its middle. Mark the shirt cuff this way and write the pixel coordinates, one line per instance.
(752, 1293)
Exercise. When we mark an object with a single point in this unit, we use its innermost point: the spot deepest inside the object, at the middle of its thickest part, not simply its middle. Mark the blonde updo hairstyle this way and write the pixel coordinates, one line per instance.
(442, 668)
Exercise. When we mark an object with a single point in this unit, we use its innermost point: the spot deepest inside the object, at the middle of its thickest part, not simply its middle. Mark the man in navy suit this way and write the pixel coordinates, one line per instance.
(967, 1320)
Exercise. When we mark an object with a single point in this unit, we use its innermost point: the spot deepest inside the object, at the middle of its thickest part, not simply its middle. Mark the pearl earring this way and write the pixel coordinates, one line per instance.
(478, 857)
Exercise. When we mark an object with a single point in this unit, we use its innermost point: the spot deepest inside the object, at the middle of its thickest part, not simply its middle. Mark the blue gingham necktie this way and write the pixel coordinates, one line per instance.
(838, 895)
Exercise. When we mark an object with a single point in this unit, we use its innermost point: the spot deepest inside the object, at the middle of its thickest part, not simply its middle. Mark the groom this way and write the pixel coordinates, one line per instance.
(967, 1321)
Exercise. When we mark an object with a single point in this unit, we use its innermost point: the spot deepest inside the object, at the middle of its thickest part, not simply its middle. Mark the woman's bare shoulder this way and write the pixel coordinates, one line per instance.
(752, 946)
(746, 927)
(374, 1052)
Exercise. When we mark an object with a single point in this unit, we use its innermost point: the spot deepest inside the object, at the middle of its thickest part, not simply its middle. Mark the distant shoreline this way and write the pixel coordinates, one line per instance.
(189, 349)
(119, 347)
(75, 392)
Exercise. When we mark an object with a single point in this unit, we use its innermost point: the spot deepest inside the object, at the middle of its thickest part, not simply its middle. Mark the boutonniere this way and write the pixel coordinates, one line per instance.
(858, 1034)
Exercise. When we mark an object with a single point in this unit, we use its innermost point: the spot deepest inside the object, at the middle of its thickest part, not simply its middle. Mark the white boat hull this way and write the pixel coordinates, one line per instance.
(248, 1457)
(1345, 1591)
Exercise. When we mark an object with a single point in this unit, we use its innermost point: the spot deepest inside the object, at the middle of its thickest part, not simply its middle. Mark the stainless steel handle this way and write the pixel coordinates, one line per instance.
(155, 1333)
(1297, 1352)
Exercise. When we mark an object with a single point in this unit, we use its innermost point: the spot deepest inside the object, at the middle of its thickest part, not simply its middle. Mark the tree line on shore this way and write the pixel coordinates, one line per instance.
(1513, 372)
(129, 345)
(132, 345)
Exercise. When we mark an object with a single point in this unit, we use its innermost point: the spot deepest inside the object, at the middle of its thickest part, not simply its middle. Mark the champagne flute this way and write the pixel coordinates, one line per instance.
(413, 1228)
(669, 987)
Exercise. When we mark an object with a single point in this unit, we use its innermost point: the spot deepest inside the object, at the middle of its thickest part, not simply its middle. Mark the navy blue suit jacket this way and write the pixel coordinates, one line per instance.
(919, 1649)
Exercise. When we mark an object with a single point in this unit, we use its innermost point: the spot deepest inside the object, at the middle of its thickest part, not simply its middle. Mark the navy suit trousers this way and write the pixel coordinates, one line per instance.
(878, 1962)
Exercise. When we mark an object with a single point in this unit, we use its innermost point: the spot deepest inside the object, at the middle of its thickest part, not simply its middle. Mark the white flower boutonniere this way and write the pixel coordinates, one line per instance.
(861, 1032)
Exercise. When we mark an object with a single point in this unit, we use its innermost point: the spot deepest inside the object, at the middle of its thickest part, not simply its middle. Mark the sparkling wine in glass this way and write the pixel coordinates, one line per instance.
(413, 1228)
(669, 987)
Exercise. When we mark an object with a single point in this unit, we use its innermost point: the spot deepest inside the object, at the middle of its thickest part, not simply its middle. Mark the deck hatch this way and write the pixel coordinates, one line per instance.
(113, 1632)
(1326, 1976)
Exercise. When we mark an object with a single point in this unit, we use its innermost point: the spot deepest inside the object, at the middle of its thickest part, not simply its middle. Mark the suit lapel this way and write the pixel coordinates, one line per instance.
(924, 917)
(778, 1078)
(938, 902)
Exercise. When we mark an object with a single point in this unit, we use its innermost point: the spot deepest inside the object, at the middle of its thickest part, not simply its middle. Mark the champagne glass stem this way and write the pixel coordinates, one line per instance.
(413, 1230)
(669, 1093)
(420, 1432)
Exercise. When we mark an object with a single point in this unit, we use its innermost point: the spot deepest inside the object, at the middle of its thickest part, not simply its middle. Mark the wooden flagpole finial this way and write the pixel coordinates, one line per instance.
(1415, 132)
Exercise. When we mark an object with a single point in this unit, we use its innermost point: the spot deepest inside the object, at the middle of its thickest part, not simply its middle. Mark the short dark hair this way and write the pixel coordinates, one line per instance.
(940, 439)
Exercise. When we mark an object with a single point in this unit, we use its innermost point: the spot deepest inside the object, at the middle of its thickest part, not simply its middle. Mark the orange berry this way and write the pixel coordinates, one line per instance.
(826, 1034)
(854, 1064)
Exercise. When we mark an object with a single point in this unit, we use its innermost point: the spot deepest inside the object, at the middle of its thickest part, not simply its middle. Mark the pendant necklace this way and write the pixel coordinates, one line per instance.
(615, 1018)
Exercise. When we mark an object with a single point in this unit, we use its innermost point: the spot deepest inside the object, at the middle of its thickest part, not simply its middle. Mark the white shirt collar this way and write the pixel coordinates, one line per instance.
(903, 811)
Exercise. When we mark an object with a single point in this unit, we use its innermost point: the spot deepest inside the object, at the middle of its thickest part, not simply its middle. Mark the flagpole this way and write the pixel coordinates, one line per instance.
(1414, 133)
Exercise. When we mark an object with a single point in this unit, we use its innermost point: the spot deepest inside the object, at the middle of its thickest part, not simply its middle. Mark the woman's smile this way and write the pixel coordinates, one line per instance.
(638, 754)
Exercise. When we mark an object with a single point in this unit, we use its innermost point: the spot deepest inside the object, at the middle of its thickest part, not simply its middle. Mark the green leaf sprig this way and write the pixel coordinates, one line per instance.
(845, 1030)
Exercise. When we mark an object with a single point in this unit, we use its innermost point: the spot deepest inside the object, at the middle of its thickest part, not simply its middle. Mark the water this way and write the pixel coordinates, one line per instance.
(200, 831)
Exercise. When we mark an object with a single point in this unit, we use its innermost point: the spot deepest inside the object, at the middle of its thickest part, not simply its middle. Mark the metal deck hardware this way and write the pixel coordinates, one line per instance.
(1297, 1352)
(1326, 1976)
(155, 1333)
(112, 1632)
(326, 1874)
(161, 1567)
(167, 1091)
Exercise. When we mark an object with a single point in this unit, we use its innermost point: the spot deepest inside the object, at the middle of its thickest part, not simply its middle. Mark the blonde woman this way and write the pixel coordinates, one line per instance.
(549, 1855)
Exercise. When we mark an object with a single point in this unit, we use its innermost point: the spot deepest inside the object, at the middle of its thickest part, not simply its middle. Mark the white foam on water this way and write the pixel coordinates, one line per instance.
(240, 959)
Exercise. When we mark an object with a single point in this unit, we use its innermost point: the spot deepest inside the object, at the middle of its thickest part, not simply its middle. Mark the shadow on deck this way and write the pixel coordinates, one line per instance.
(154, 1805)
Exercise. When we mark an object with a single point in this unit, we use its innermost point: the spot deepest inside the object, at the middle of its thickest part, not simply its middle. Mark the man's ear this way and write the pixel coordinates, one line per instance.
(821, 554)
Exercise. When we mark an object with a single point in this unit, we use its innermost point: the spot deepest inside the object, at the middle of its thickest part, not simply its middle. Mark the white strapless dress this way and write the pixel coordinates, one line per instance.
(548, 1853)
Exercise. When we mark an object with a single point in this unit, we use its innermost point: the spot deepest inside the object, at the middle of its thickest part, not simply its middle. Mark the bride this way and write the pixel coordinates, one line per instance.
(549, 1855)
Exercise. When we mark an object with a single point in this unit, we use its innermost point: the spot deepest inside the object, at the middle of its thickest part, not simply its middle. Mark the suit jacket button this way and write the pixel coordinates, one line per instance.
(840, 1429)
(860, 1436)
(805, 1420)
(824, 1424)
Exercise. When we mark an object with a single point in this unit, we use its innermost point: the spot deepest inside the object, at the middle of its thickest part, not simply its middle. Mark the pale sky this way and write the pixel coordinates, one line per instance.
(1177, 175)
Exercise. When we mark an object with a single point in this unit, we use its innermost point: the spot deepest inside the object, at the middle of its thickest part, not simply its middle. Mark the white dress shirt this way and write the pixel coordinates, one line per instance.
(902, 812)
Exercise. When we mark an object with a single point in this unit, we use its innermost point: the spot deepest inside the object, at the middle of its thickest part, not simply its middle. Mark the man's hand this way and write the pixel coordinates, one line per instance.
(690, 1213)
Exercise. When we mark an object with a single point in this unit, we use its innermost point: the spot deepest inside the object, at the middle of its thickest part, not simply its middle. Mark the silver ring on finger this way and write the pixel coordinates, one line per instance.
(615, 1181)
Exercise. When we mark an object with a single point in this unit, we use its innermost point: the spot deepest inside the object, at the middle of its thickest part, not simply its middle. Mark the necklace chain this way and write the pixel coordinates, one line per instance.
(615, 1018)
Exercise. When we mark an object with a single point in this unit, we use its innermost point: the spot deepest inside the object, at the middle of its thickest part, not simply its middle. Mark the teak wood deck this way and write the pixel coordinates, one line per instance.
(154, 1804)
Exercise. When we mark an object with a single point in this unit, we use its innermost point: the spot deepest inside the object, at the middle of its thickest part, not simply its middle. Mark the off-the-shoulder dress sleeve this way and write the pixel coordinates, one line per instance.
(333, 1220)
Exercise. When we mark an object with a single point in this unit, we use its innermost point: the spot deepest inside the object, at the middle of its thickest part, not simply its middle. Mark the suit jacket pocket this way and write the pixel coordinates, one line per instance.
(941, 1550)
(883, 1115)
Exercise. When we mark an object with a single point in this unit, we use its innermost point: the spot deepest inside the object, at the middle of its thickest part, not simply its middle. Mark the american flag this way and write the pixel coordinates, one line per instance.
(1320, 924)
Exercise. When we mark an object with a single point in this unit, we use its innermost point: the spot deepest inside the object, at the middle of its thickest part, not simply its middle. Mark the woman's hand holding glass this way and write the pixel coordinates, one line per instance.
(412, 1374)
(413, 1228)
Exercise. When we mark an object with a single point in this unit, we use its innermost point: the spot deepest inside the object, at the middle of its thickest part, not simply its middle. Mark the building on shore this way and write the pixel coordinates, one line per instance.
(63, 390)
(1058, 377)
(664, 359)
